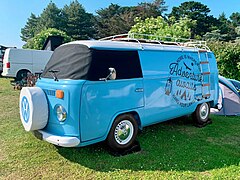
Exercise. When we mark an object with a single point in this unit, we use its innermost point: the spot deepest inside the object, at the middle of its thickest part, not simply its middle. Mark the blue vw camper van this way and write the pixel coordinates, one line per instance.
(92, 91)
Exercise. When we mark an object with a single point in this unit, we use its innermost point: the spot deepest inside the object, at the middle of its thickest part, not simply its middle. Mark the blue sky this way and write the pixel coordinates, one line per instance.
(14, 13)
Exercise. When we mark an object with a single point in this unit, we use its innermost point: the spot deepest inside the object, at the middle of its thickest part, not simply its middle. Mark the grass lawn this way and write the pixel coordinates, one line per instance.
(171, 150)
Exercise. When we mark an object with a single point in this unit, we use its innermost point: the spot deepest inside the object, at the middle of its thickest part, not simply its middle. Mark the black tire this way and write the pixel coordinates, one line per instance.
(201, 114)
(123, 132)
(21, 74)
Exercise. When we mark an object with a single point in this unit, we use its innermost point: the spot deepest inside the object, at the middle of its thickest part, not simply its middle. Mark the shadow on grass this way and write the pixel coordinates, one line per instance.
(170, 146)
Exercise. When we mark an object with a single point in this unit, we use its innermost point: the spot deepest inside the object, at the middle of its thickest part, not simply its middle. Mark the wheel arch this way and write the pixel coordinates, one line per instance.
(20, 70)
(211, 104)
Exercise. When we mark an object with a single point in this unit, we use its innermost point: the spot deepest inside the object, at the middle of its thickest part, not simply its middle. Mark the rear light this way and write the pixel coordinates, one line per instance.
(8, 65)
(59, 94)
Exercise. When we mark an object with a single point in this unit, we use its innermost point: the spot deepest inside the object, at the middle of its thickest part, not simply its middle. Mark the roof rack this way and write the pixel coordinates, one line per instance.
(161, 40)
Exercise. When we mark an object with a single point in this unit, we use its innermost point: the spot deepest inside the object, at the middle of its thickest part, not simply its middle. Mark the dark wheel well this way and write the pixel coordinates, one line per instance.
(136, 117)
(21, 74)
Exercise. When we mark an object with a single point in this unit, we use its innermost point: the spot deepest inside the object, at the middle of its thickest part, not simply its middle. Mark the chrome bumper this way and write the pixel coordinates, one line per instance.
(64, 141)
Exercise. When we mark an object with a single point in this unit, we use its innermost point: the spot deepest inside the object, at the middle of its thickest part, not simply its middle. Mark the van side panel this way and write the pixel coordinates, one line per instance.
(102, 101)
(40, 59)
(24, 59)
(172, 81)
(20, 59)
(158, 105)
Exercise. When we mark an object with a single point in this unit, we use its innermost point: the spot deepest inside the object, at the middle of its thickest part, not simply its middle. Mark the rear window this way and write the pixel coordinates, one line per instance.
(70, 61)
(75, 61)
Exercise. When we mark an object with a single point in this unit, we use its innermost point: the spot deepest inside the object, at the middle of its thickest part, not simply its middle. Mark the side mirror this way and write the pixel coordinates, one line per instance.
(112, 75)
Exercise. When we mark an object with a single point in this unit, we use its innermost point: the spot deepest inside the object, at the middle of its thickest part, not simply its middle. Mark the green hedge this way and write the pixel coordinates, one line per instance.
(228, 58)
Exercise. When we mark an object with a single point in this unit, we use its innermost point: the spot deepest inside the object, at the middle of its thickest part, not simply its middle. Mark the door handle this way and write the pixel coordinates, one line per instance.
(139, 90)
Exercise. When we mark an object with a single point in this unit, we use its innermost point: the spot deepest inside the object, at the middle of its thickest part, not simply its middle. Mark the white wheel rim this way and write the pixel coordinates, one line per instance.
(123, 132)
(204, 111)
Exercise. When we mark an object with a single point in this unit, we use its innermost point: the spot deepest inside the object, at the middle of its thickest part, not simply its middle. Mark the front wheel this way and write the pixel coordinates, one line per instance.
(123, 132)
(201, 113)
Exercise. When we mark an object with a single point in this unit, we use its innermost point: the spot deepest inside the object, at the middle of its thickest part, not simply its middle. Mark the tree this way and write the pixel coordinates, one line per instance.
(227, 55)
(37, 41)
(50, 18)
(118, 20)
(214, 35)
(235, 18)
(72, 19)
(195, 11)
(153, 9)
(226, 28)
(108, 20)
(77, 23)
(237, 30)
(159, 27)
(30, 29)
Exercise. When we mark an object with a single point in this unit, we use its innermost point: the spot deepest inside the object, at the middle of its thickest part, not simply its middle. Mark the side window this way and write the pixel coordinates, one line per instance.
(236, 84)
(126, 64)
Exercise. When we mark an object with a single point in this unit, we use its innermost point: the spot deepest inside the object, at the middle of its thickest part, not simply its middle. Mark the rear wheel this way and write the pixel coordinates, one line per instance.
(22, 74)
(201, 113)
(123, 132)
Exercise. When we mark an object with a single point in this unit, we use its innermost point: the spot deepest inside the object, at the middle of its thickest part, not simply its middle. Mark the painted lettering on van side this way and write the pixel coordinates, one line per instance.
(181, 84)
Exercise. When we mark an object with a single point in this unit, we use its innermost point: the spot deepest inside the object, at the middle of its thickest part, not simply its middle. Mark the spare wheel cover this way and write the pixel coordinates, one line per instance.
(33, 108)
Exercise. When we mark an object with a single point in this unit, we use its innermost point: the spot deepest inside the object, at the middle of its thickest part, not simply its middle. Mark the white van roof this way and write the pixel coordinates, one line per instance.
(26, 50)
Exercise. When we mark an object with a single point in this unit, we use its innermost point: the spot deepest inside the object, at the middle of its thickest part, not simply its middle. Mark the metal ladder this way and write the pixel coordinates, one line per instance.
(205, 73)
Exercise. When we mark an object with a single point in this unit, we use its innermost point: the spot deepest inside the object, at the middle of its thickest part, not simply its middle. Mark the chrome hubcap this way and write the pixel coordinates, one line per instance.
(123, 132)
(204, 110)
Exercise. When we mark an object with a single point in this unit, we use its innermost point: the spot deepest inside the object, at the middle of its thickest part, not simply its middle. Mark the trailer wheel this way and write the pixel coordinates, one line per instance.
(123, 132)
(22, 74)
(201, 113)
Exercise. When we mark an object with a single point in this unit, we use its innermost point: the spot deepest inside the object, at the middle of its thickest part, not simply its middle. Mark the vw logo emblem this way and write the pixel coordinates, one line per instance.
(25, 109)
